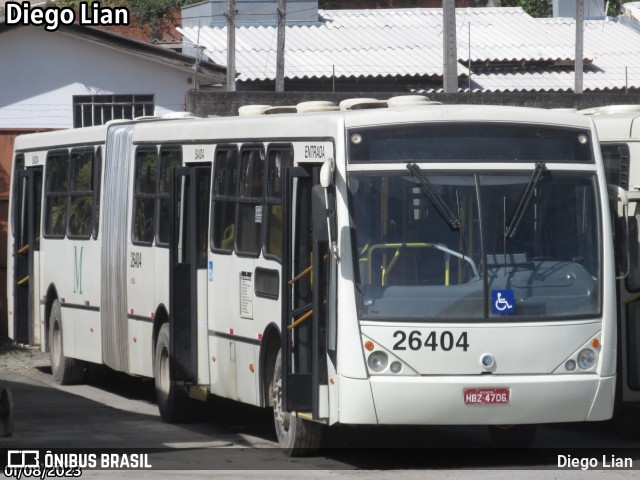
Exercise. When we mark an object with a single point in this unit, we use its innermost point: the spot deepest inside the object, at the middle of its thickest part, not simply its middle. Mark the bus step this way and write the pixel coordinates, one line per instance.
(199, 393)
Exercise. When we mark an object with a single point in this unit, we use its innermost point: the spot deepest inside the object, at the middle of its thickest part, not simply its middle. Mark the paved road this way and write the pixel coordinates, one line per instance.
(235, 441)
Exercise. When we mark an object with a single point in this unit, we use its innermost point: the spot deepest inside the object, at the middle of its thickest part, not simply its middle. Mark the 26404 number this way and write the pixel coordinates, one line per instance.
(445, 342)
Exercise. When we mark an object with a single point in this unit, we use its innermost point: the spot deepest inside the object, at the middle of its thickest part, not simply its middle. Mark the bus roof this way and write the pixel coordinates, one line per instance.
(61, 138)
(287, 126)
(618, 126)
(324, 124)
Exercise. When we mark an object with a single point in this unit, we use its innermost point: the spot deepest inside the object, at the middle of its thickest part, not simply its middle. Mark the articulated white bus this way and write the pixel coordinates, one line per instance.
(414, 264)
(618, 129)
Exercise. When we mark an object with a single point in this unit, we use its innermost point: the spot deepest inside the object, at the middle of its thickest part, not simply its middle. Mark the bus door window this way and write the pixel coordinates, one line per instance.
(278, 159)
(97, 182)
(203, 186)
(302, 259)
(144, 196)
(27, 199)
(249, 222)
(223, 198)
(169, 158)
(18, 166)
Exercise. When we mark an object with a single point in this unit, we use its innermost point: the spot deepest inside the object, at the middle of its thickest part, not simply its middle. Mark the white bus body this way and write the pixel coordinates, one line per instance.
(618, 129)
(405, 265)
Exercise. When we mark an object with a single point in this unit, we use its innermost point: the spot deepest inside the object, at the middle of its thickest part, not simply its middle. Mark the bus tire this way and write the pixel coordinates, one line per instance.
(517, 436)
(297, 437)
(173, 402)
(6, 413)
(65, 371)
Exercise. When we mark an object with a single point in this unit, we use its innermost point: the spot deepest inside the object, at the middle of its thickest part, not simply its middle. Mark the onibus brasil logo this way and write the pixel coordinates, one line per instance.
(34, 464)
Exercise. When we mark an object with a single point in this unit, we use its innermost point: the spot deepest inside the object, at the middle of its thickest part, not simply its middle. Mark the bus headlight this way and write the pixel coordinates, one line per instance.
(586, 359)
(395, 367)
(570, 365)
(377, 361)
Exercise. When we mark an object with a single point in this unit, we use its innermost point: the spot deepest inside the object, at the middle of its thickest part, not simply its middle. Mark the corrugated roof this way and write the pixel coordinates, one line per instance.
(408, 42)
(615, 61)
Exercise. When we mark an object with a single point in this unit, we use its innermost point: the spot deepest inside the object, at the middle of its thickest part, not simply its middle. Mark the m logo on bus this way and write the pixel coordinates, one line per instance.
(77, 270)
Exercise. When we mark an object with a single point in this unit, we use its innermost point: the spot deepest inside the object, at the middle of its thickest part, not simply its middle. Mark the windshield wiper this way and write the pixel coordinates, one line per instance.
(434, 197)
(538, 172)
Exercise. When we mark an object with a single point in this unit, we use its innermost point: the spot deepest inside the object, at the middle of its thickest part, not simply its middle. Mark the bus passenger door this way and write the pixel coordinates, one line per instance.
(629, 301)
(27, 203)
(190, 192)
(305, 278)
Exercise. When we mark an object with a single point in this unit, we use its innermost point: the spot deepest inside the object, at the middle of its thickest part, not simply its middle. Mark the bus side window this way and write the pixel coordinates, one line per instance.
(146, 173)
(97, 182)
(56, 194)
(81, 194)
(18, 165)
(277, 160)
(616, 163)
(223, 198)
(169, 158)
(249, 223)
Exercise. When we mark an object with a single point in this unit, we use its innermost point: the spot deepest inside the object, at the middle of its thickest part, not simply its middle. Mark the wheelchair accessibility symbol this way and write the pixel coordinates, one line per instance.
(503, 301)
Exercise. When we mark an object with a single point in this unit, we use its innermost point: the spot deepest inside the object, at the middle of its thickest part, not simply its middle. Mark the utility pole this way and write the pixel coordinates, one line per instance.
(231, 45)
(450, 51)
(579, 74)
(282, 13)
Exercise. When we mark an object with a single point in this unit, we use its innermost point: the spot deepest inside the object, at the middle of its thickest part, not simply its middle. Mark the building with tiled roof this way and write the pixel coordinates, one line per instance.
(499, 49)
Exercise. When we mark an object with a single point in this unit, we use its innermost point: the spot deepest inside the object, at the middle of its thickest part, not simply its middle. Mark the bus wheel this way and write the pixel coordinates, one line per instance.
(65, 371)
(6, 413)
(172, 400)
(517, 436)
(297, 437)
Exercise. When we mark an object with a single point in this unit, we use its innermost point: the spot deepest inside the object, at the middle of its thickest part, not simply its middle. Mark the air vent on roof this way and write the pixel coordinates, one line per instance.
(146, 118)
(317, 106)
(403, 101)
(249, 110)
(281, 109)
(362, 104)
(178, 115)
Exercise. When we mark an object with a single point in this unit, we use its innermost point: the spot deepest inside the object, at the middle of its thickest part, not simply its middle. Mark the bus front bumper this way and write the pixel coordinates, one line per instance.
(533, 399)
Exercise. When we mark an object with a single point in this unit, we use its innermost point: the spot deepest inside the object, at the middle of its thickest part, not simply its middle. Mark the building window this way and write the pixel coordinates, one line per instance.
(90, 110)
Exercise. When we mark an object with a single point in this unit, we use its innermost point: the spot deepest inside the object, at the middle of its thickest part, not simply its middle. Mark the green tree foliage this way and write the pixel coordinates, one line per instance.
(535, 8)
(146, 11)
(615, 6)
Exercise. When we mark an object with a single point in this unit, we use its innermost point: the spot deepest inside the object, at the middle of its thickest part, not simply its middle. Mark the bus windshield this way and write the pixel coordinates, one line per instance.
(452, 246)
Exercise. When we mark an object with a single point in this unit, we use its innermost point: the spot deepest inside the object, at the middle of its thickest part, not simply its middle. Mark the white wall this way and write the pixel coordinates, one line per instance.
(41, 71)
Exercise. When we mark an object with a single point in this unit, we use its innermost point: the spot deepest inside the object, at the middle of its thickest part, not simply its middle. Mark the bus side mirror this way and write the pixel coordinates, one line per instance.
(622, 236)
(323, 213)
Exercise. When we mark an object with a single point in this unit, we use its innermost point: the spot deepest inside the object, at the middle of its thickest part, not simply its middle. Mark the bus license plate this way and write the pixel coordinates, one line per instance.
(486, 396)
